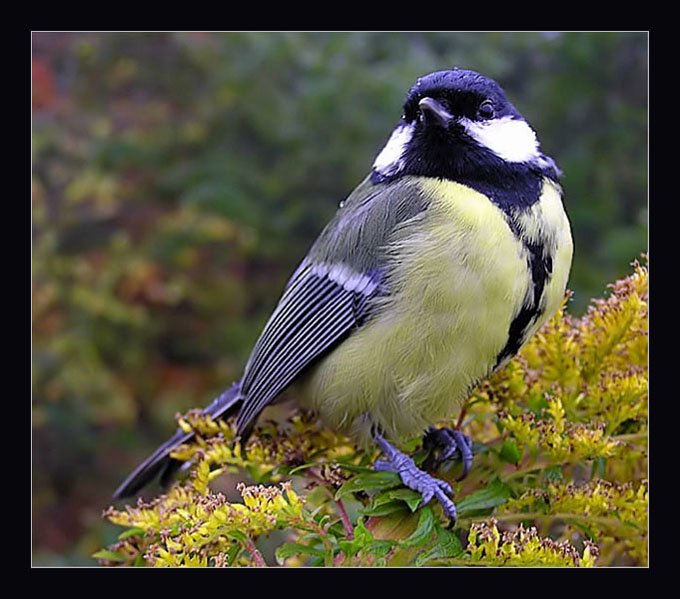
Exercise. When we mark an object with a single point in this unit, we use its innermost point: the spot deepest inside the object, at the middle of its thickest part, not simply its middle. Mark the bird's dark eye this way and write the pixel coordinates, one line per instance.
(486, 110)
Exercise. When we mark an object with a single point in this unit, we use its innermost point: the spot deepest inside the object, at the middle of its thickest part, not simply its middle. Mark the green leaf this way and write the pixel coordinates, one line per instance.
(599, 468)
(447, 545)
(316, 562)
(232, 553)
(394, 496)
(292, 549)
(238, 535)
(361, 533)
(384, 509)
(362, 537)
(537, 404)
(423, 531)
(140, 562)
(322, 519)
(369, 482)
(300, 468)
(412, 498)
(380, 547)
(353, 467)
(112, 556)
(553, 473)
(131, 533)
(495, 493)
(509, 452)
(414, 502)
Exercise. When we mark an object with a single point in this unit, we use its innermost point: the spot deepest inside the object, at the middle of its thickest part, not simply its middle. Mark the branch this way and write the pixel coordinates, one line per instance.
(254, 552)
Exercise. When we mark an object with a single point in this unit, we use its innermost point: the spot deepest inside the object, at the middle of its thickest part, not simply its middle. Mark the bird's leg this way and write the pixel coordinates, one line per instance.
(413, 477)
(450, 441)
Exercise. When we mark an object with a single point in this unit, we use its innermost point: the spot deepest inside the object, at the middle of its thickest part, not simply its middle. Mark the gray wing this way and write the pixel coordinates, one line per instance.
(318, 309)
(329, 295)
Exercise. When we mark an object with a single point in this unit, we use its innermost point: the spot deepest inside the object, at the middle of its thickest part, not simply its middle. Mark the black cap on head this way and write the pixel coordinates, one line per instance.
(461, 92)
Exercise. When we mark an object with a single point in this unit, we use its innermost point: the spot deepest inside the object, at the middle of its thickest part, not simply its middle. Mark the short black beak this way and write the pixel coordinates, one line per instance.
(433, 113)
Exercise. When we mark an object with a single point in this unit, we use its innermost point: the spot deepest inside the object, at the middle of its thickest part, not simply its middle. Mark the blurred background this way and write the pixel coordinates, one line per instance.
(178, 179)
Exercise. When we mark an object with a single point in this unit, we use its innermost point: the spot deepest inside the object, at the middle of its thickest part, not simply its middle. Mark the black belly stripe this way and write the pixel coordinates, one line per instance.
(540, 265)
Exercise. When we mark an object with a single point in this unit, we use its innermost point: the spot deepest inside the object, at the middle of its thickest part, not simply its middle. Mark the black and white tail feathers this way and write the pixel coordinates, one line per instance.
(160, 463)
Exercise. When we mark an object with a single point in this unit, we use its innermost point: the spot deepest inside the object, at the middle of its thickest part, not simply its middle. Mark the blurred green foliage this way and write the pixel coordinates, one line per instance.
(179, 178)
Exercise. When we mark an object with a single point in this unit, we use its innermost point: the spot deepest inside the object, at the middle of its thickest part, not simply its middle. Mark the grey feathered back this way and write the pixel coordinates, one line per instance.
(360, 230)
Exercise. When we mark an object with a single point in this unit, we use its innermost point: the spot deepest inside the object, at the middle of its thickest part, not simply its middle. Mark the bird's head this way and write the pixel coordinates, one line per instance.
(458, 124)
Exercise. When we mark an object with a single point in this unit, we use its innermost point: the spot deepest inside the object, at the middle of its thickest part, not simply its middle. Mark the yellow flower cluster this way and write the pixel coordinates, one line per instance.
(523, 547)
(558, 439)
(188, 526)
(613, 512)
(293, 443)
(612, 336)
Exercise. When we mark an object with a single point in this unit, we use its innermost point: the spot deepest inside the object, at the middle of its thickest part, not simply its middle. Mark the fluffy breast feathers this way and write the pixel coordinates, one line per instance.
(456, 275)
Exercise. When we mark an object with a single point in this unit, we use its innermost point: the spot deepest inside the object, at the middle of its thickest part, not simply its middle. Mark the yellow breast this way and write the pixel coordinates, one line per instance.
(457, 276)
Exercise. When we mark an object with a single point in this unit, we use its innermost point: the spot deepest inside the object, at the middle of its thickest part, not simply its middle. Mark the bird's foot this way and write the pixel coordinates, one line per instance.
(449, 442)
(414, 478)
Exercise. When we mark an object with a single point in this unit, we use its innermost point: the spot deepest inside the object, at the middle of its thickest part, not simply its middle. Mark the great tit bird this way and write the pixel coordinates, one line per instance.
(433, 273)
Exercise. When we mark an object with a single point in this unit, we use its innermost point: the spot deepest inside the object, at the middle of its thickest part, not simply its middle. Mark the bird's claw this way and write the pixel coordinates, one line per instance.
(416, 479)
(450, 441)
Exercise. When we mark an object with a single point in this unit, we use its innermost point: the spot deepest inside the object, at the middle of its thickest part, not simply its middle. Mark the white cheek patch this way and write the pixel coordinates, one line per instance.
(391, 158)
(510, 139)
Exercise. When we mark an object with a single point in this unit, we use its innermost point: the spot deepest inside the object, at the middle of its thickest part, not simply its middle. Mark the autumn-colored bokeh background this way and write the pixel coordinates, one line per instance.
(178, 178)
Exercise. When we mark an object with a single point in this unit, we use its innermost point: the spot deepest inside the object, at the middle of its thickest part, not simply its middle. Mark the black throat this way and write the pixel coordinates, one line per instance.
(441, 155)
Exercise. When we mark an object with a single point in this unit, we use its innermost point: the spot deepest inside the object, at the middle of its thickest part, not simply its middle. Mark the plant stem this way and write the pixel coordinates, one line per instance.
(254, 552)
(632, 437)
(346, 522)
(526, 470)
(463, 411)
(323, 537)
(344, 517)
